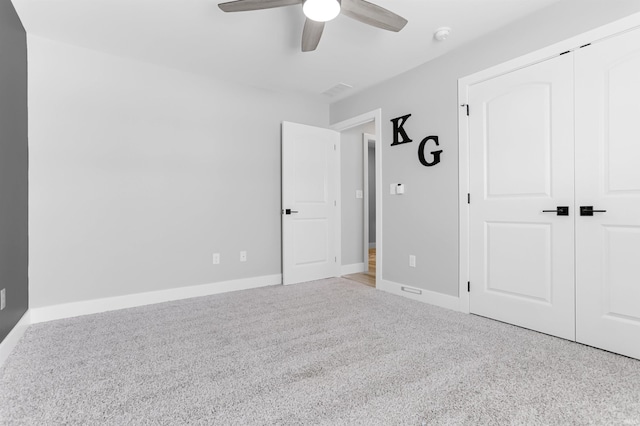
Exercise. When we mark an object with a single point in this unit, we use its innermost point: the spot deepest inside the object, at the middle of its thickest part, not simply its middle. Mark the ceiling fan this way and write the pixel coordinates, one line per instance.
(318, 12)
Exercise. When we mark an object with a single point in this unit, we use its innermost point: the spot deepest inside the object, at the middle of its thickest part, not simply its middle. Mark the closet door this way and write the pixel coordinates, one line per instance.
(608, 178)
(521, 163)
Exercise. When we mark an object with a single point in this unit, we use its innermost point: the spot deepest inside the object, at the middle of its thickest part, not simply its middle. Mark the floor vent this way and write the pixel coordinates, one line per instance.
(338, 89)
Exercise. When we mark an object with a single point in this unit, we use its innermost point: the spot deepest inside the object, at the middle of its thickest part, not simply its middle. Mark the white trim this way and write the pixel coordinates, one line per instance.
(354, 268)
(338, 210)
(11, 340)
(421, 295)
(86, 307)
(463, 206)
(626, 24)
(376, 117)
(350, 123)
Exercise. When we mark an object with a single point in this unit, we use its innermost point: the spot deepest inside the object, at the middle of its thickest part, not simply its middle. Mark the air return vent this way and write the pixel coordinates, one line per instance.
(338, 89)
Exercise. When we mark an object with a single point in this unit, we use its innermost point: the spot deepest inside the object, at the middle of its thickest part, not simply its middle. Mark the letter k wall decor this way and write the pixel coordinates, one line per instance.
(400, 137)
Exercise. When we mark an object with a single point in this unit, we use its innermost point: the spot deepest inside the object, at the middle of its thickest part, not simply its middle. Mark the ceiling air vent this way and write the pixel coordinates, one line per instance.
(338, 89)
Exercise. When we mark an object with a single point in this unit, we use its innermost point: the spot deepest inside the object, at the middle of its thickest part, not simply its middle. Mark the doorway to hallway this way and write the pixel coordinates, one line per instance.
(368, 277)
(368, 240)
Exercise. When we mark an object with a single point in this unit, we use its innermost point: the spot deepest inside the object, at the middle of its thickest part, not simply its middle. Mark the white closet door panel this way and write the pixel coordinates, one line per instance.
(521, 163)
(608, 178)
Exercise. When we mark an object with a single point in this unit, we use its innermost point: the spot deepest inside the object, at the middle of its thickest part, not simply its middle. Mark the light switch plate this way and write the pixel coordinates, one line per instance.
(359, 193)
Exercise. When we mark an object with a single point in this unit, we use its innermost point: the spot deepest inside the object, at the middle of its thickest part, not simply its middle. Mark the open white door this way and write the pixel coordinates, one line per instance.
(608, 180)
(309, 202)
(521, 173)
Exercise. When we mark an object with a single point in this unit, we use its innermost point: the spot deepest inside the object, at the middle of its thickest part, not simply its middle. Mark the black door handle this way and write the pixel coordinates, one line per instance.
(560, 210)
(589, 211)
(289, 211)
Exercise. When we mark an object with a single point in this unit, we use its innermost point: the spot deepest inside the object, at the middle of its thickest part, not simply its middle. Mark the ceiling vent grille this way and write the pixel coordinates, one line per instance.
(338, 89)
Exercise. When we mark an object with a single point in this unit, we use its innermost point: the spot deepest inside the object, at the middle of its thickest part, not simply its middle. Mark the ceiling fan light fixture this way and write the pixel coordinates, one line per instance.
(321, 10)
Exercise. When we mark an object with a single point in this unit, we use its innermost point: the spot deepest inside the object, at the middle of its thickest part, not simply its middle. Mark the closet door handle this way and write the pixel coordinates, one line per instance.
(560, 211)
(589, 211)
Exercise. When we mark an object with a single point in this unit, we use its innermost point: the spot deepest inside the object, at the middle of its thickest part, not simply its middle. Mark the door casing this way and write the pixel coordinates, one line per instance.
(376, 117)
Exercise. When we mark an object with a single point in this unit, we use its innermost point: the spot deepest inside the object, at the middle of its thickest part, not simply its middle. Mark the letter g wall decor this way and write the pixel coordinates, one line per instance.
(400, 136)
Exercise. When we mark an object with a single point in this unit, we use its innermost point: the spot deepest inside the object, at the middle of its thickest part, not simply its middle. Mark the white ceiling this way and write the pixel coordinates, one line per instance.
(262, 48)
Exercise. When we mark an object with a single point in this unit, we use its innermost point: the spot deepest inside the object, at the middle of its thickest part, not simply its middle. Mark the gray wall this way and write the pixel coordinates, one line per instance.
(424, 221)
(351, 176)
(139, 173)
(13, 167)
(372, 193)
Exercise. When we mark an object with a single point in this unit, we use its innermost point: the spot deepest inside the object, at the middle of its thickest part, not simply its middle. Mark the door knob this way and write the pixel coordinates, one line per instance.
(560, 210)
(289, 211)
(589, 211)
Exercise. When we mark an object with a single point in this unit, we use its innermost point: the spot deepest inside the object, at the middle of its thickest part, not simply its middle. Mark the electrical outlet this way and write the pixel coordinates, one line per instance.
(3, 298)
(412, 261)
(243, 256)
(216, 258)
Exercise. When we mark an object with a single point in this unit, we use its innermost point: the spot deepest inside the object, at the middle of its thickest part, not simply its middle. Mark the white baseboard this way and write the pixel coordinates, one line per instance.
(421, 295)
(354, 268)
(10, 342)
(86, 307)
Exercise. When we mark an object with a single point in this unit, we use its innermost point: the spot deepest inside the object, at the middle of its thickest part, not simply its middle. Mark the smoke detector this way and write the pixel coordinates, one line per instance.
(442, 33)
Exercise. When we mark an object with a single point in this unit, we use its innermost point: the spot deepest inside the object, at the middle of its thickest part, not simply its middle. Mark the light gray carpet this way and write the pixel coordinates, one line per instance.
(330, 352)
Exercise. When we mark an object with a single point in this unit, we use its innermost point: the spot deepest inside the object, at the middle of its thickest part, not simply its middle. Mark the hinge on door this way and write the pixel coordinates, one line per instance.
(467, 106)
(564, 53)
(468, 198)
(468, 286)
(588, 44)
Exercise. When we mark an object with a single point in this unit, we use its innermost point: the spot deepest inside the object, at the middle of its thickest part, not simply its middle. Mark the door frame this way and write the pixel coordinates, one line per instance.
(614, 28)
(367, 117)
(367, 138)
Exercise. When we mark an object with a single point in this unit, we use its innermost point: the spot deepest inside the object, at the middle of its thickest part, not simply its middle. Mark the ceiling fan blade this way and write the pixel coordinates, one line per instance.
(246, 5)
(369, 13)
(311, 35)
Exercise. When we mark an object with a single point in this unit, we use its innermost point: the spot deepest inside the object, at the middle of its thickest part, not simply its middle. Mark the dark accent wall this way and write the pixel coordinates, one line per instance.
(13, 168)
